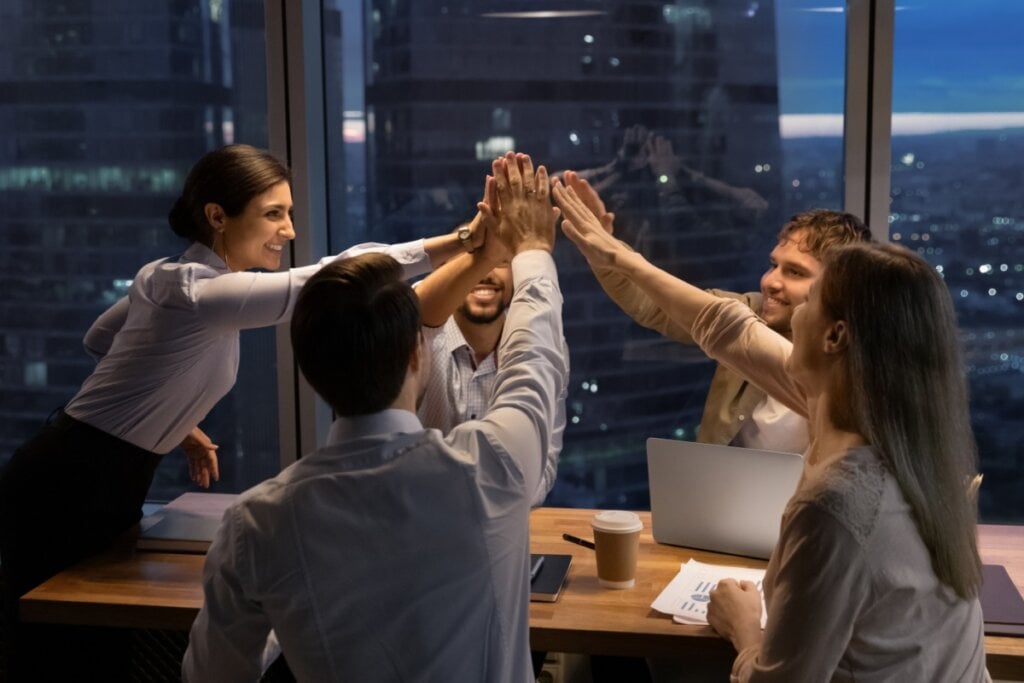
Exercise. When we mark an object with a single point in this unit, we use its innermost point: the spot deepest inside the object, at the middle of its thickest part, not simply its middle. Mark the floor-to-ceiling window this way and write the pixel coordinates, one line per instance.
(957, 173)
(107, 104)
(704, 124)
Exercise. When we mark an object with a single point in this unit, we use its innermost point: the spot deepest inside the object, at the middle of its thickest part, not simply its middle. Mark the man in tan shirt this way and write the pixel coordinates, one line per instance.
(736, 412)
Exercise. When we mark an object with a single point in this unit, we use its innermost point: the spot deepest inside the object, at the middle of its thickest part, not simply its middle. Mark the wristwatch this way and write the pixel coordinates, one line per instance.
(465, 235)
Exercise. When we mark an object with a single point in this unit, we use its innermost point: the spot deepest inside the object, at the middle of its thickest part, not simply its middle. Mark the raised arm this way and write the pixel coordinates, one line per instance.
(446, 288)
(633, 301)
(532, 365)
(680, 300)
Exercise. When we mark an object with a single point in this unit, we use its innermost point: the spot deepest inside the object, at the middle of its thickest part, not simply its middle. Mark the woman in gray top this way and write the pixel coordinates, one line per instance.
(876, 573)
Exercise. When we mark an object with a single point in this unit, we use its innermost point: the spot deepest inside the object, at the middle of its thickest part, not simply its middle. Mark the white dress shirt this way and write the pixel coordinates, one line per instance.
(773, 427)
(169, 350)
(393, 553)
(460, 390)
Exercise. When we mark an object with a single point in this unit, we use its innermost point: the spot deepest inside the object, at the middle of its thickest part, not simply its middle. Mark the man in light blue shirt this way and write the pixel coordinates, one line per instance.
(395, 553)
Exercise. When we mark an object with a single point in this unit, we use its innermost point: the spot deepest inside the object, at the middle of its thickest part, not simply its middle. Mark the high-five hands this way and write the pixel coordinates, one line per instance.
(488, 219)
(526, 219)
(582, 224)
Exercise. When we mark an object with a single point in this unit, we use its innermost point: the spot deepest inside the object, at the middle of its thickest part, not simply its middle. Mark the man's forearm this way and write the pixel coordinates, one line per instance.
(442, 248)
(680, 300)
(446, 288)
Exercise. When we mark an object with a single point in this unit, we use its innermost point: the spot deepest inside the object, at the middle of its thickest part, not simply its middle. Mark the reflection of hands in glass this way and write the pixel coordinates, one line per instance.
(582, 226)
(201, 453)
(661, 158)
(632, 155)
(527, 219)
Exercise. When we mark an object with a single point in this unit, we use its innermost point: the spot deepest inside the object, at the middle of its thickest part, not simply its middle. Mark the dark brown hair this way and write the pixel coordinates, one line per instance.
(229, 176)
(902, 386)
(825, 229)
(355, 326)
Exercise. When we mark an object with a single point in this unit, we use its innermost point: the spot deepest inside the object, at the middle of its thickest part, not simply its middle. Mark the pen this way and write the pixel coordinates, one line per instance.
(535, 569)
(578, 541)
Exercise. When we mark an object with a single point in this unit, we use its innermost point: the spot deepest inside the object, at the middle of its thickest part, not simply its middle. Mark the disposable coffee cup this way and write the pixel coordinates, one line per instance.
(617, 542)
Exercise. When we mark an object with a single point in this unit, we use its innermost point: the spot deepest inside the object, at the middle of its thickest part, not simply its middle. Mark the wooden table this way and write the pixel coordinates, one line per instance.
(162, 590)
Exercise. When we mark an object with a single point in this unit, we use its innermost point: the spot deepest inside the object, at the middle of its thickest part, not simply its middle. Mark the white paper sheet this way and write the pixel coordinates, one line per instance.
(686, 596)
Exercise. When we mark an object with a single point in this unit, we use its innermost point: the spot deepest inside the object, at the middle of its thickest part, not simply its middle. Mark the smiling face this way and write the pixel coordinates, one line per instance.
(488, 300)
(787, 282)
(810, 328)
(256, 237)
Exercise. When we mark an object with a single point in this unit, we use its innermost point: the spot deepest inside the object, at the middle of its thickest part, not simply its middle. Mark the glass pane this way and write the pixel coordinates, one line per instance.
(957, 165)
(675, 110)
(109, 104)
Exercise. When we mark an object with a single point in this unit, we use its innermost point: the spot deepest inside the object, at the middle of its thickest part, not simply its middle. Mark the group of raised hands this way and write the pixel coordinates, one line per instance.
(517, 209)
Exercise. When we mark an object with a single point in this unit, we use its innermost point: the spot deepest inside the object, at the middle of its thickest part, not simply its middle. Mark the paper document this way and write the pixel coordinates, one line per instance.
(686, 596)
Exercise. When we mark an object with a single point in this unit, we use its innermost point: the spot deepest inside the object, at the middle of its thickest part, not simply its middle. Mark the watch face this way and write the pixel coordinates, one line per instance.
(465, 233)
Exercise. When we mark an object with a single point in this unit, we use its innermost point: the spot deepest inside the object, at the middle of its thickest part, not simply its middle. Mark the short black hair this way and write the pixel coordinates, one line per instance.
(355, 326)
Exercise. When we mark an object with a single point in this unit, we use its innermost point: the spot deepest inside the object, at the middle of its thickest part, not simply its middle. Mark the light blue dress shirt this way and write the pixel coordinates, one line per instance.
(169, 350)
(393, 553)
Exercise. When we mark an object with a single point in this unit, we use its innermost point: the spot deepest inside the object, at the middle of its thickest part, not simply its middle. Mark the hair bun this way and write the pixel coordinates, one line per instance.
(180, 220)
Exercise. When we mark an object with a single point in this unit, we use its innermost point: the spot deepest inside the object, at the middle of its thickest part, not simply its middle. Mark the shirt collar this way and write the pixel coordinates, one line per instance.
(385, 422)
(200, 253)
(454, 341)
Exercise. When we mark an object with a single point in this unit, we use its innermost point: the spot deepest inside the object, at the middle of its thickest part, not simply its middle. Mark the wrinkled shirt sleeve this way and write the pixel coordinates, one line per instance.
(547, 481)
(513, 440)
(100, 336)
(815, 597)
(732, 334)
(248, 300)
(228, 637)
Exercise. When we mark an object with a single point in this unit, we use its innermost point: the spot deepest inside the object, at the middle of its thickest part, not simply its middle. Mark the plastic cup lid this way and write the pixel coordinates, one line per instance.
(617, 521)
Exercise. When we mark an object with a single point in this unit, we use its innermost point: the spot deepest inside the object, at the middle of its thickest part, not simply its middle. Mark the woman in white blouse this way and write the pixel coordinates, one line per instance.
(876, 573)
(166, 354)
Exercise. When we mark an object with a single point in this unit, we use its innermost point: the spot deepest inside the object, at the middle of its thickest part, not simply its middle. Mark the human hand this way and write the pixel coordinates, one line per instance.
(488, 220)
(735, 612)
(585, 230)
(527, 219)
(661, 158)
(591, 198)
(201, 453)
(632, 154)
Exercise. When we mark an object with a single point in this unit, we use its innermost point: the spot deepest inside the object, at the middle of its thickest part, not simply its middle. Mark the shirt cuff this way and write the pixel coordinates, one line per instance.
(412, 256)
(533, 264)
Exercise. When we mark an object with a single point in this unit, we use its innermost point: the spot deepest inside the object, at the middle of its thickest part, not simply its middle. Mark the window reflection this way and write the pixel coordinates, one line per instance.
(109, 103)
(671, 108)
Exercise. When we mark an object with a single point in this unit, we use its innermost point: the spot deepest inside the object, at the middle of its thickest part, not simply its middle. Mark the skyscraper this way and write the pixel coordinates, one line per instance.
(450, 85)
(109, 103)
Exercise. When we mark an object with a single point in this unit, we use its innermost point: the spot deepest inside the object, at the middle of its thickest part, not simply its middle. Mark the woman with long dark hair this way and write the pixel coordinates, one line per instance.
(876, 573)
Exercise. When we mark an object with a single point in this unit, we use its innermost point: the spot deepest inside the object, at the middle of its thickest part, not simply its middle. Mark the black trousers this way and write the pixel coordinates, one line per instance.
(66, 494)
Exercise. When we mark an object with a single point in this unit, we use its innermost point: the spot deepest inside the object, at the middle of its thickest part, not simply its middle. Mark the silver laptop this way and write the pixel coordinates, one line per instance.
(720, 498)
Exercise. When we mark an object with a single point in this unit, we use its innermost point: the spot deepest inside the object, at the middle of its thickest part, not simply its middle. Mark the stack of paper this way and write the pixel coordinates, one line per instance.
(686, 596)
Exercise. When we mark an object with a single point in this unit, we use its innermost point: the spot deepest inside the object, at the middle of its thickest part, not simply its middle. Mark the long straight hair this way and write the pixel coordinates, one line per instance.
(904, 390)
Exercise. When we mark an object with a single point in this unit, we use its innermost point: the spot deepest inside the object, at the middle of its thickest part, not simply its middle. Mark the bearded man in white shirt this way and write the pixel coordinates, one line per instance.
(395, 553)
(465, 361)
